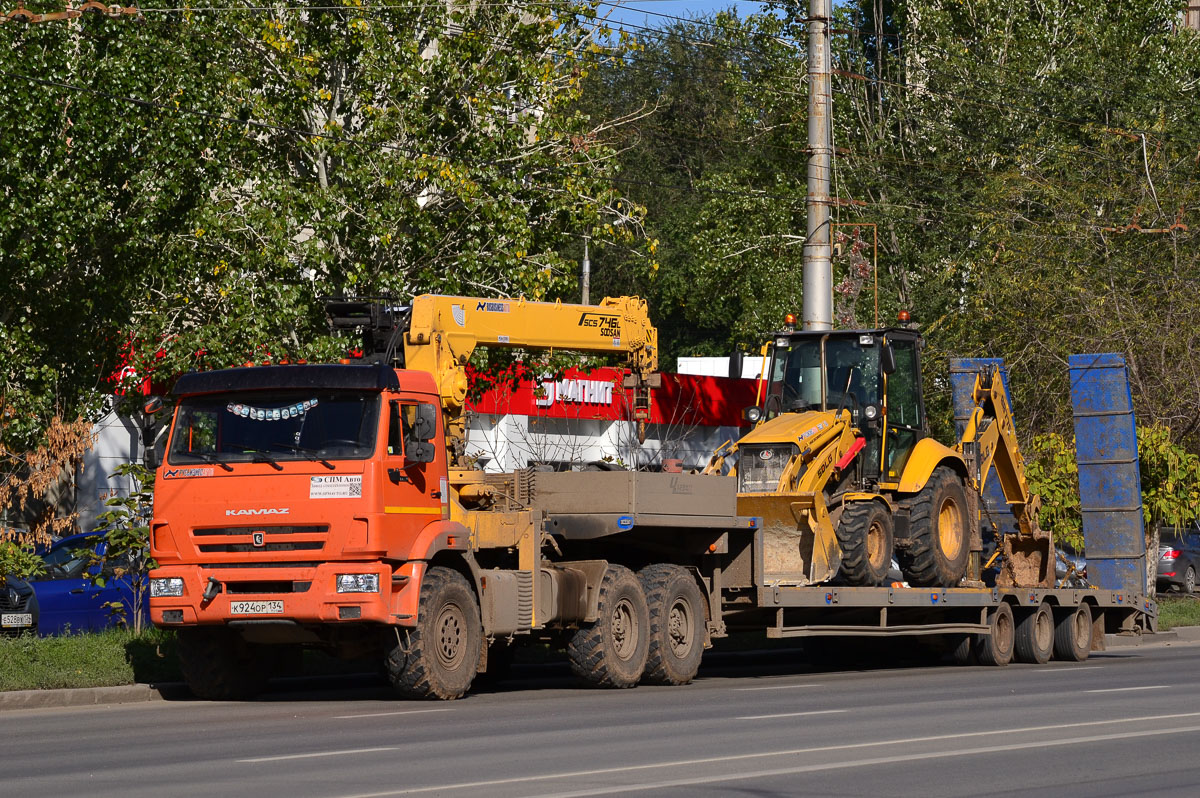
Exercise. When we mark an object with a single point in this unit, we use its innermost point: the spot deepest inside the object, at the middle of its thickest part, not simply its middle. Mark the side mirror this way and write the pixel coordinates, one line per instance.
(153, 405)
(419, 452)
(425, 425)
(735, 366)
(887, 359)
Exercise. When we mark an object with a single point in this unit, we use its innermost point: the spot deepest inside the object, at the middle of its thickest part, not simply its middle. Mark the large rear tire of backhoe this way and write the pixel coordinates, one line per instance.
(997, 648)
(612, 652)
(677, 623)
(864, 534)
(438, 658)
(939, 536)
(219, 666)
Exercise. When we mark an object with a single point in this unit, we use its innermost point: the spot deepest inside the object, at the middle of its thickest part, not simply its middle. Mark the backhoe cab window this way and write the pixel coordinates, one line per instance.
(279, 425)
(851, 375)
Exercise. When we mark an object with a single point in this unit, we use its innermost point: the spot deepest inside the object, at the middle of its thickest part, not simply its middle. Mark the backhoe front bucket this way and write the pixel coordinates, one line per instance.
(799, 544)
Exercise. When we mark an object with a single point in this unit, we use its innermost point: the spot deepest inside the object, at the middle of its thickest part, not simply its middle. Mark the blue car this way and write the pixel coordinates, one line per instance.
(68, 599)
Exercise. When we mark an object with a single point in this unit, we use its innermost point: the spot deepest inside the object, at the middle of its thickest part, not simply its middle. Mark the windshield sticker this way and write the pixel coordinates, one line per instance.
(335, 487)
(175, 473)
(271, 413)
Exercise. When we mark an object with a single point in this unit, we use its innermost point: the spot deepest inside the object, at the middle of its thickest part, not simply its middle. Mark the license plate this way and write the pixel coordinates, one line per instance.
(10, 619)
(255, 607)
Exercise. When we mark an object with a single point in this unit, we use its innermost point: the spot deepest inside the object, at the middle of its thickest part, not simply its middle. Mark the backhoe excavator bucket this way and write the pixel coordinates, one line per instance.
(799, 544)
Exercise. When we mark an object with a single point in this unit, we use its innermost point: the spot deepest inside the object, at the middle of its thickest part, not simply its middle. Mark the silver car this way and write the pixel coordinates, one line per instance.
(1178, 558)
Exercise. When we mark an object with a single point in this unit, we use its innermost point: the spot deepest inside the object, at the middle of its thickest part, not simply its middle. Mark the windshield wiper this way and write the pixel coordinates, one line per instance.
(309, 454)
(212, 458)
(260, 456)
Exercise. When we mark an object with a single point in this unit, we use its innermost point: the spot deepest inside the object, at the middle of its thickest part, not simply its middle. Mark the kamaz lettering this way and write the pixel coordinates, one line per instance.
(263, 511)
(607, 325)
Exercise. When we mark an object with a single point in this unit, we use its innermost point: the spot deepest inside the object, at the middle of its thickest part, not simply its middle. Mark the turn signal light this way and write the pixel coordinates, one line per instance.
(1171, 554)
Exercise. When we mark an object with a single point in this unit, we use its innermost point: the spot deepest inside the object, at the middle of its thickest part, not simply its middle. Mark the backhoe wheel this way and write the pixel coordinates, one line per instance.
(938, 533)
(865, 536)
(218, 665)
(996, 648)
(612, 652)
(439, 656)
(1035, 636)
(1073, 634)
(677, 622)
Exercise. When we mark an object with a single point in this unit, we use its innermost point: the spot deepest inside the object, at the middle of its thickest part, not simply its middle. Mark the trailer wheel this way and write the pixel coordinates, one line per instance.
(964, 651)
(1035, 636)
(677, 618)
(218, 665)
(612, 652)
(865, 537)
(938, 533)
(1073, 634)
(996, 648)
(439, 656)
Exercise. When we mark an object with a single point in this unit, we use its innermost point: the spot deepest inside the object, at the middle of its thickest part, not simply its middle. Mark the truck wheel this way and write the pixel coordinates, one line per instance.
(1073, 634)
(439, 656)
(865, 537)
(1035, 636)
(677, 618)
(218, 665)
(612, 652)
(938, 533)
(996, 648)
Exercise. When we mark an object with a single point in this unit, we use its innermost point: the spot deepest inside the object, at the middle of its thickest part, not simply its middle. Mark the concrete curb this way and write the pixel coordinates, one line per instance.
(81, 696)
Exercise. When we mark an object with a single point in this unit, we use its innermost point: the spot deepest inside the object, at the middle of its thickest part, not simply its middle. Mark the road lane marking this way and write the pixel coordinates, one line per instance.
(793, 714)
(778, 687)
(1129, 689)
(847, 764)
(348, 752)
(792, 752)
(1068, 668)
(387, 714)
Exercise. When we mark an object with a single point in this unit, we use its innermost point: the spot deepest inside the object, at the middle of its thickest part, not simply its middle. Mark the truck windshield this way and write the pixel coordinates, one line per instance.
(279, 425)
(851, 372)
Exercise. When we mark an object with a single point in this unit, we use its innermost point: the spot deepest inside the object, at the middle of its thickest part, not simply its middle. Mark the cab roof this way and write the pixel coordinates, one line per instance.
(353, 377)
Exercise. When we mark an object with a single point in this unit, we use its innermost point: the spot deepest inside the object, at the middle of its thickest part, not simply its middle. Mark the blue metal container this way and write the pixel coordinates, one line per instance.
(1110, 486)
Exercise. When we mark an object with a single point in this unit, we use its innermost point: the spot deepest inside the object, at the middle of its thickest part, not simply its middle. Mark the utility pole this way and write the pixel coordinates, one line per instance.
(586, 277)
(817, 263)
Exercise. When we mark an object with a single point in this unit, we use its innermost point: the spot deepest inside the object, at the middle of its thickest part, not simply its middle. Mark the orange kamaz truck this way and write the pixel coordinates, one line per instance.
(331, 506)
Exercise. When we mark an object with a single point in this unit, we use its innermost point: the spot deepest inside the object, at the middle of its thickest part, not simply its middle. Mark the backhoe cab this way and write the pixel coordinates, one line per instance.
(841, 467)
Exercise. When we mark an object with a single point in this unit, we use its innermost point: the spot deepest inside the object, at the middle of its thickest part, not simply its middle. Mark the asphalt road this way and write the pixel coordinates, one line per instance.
(1125, 723)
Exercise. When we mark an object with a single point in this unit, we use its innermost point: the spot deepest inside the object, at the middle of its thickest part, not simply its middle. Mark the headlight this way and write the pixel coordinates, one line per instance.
(170, 587)
(358, 583)
(871, 412)
(752, 414)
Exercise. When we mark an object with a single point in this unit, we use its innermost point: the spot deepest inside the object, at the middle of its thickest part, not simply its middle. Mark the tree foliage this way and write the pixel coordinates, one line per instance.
(178, 192)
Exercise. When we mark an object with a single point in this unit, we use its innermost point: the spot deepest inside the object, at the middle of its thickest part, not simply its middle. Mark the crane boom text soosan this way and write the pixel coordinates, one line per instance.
(322, 505)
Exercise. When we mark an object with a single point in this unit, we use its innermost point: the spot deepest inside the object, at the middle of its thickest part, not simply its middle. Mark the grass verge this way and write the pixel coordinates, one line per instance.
(1178, 611)
(102, 659)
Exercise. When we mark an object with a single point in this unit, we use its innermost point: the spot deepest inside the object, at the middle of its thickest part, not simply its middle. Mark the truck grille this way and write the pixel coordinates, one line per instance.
(760, 468)
(255, 539)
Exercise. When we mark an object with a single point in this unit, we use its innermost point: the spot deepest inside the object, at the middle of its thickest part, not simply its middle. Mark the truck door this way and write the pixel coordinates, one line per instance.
(414, 483)
(905, 416)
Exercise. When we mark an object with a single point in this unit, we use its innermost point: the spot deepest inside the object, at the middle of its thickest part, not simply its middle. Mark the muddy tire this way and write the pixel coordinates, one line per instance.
(437, 658)
(219, 666)
(612, 652)
(997, 648)
(1035, 636)
(939, 533)
(677, 624)
(864, 534)
(1073, 634)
